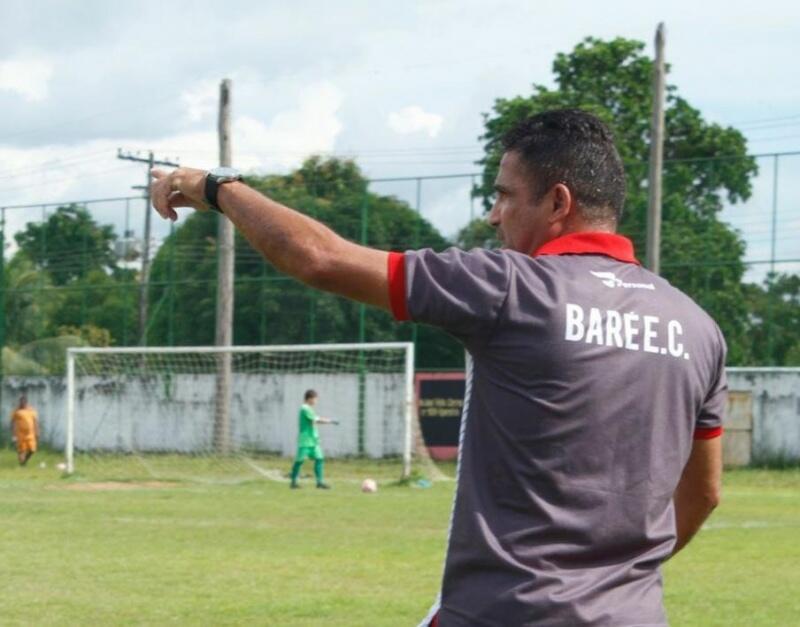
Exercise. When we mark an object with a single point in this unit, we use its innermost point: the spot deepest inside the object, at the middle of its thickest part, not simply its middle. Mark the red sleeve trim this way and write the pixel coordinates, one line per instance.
(397, 285)
(708, 433)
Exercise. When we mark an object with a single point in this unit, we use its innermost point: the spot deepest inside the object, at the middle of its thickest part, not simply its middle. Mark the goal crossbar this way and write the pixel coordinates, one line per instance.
(268, 348)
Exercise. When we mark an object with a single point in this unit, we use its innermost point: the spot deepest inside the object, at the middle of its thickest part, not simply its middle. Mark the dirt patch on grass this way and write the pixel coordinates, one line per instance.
(112, 486)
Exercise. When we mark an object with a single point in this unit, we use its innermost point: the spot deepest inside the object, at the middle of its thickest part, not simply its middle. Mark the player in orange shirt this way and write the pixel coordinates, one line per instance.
(25, 427)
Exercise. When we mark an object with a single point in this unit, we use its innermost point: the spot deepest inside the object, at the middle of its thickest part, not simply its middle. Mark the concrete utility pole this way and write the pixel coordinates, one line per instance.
(656, 158)
(151, 161)
(225, 273)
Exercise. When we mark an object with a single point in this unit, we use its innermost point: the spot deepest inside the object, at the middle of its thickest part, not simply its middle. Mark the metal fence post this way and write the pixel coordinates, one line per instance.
(771, 276)
(262, 326)
(2, 309)
(171, 296)
(362, 321)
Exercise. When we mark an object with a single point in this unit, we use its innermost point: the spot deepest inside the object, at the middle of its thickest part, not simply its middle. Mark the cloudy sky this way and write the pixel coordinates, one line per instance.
(399, 86)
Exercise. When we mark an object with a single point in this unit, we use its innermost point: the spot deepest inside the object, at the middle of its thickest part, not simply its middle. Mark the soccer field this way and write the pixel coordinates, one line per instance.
(256, 553)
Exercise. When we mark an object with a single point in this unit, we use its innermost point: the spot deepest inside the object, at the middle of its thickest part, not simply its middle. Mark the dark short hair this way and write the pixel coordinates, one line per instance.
(310, 394)
(577, 149)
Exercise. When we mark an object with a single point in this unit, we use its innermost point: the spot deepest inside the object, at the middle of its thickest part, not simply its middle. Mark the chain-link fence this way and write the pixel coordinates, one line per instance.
(72, 271)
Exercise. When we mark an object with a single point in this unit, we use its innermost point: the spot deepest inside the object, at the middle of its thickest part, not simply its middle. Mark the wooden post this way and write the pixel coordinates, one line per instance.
(656, 158)
(225, 273)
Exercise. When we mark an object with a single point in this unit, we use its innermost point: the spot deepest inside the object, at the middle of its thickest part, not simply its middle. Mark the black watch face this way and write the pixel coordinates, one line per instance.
(227, 173)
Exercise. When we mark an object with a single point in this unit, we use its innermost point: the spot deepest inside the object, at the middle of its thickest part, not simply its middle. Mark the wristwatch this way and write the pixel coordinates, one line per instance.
(215, 178)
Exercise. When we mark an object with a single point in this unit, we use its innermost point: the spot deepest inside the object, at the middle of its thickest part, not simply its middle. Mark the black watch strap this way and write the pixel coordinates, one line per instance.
(211, 191)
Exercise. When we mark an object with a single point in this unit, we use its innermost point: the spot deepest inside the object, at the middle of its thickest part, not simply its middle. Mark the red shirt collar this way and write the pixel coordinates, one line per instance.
(590, 243)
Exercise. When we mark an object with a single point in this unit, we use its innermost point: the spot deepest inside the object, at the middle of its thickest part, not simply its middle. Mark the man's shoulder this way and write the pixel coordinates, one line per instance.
(454, 254)
(605, 279)
(683, 300)
(670, 297)
(490, 263)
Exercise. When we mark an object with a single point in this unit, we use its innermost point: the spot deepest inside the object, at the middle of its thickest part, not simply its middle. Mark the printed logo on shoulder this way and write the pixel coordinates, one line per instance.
(609, 279)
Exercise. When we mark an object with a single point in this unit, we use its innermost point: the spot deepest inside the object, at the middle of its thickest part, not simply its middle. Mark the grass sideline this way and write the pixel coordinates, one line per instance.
(257, 553)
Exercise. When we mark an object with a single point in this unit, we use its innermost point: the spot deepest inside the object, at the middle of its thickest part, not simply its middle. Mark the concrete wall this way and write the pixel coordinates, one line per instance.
(153, 414)
(176, 413)
(776, 410)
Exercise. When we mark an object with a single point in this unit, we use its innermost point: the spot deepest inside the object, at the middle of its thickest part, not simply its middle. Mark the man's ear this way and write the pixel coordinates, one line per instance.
(561, 203)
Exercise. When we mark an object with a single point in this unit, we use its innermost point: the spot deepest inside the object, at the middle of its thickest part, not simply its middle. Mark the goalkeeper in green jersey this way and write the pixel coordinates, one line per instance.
(308, 441)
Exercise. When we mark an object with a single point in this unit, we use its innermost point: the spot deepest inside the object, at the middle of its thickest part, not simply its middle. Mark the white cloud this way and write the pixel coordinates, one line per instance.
(26, 76)
(91, 170)
(312, 126)
(414, 119)
(200, 101)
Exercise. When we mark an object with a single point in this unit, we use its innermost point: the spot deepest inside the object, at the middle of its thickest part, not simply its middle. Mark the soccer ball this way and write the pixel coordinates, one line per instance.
(61, 466)
(369, 486)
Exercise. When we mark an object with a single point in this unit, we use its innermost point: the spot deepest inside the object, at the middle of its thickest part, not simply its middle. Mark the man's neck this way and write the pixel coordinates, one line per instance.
(578, 225)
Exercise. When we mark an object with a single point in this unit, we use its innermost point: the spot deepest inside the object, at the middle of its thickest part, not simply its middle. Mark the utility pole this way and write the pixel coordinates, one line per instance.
(225, 275)
(151, 161)
(656, 158)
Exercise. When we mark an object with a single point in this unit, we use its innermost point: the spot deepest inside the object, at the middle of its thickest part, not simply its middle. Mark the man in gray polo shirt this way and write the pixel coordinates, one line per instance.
(589, 448)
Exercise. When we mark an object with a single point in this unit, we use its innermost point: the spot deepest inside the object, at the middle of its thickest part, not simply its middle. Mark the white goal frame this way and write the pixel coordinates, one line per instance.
(407, 347)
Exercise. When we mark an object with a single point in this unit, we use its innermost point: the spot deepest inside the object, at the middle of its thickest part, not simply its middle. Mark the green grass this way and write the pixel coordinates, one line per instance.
(744, 567)
(257, 553)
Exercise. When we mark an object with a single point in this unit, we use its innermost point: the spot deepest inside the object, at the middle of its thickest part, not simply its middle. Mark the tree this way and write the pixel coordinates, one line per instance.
(30, 301)
(477, 234)
(69, 244)
(65, 274)
(271, 308)
(106, 301)
(89, 334)
(705, 165)
(183, 277)
(775, 311)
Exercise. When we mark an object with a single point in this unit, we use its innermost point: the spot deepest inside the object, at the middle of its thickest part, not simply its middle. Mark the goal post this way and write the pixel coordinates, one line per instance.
(151, 411)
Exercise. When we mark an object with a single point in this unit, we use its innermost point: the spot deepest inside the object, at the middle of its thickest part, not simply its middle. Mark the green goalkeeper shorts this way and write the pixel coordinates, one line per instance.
(309, 452)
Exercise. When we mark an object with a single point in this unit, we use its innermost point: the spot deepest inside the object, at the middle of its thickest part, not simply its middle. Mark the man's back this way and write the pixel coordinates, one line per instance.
(586, 383)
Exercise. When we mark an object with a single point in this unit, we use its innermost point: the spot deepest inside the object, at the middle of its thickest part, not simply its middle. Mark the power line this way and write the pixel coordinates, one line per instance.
(65, 203)
(406, 157)
(768, 127)
(57, 180)
(79, 159)
(347, 151)
(773, 138)
(794, 116)
(152, 102)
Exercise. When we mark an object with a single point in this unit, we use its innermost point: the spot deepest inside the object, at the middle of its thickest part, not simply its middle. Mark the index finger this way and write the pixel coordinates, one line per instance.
(160, 190)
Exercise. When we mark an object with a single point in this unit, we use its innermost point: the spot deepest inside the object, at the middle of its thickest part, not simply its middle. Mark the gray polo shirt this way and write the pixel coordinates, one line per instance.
(588, 379)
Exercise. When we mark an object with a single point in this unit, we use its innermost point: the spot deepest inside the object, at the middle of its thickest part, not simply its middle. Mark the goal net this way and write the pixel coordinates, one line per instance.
(228, 414)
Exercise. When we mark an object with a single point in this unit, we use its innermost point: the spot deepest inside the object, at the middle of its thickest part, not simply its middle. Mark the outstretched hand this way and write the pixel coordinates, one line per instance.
(184, 187)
